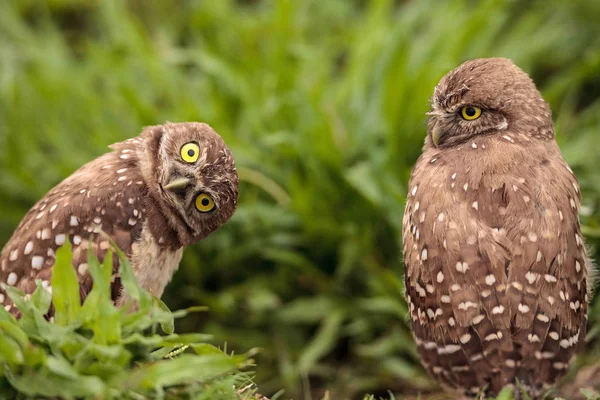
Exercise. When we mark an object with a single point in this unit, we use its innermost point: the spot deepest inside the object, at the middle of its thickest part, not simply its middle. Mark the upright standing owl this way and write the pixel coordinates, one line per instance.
(496, 269)
(153, 195)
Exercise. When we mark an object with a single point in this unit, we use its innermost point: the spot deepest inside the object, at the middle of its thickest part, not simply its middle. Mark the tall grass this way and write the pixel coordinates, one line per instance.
(322, 103)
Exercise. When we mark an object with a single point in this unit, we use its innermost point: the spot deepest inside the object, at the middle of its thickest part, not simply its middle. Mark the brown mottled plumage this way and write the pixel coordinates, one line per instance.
(143, 195)
(497, 276)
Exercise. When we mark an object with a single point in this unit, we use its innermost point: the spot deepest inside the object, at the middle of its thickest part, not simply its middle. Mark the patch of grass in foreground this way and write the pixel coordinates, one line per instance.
(96, 350)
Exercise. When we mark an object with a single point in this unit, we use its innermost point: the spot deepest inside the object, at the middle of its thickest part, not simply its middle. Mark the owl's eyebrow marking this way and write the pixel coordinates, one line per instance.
(455, 96)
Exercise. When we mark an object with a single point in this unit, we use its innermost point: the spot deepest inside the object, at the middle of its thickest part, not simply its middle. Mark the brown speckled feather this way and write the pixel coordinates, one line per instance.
(122, 194)
(496, 271)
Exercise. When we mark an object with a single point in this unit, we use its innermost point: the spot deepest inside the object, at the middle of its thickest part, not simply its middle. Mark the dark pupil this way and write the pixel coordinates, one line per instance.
(470, 111)
(205, 202)
(191, 153)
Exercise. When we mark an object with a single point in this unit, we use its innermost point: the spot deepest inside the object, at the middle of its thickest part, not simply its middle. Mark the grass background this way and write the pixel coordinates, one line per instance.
(322, 103)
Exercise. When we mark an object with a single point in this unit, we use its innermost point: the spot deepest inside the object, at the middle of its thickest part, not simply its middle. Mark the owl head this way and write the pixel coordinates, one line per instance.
(486, 96)
(192, 175)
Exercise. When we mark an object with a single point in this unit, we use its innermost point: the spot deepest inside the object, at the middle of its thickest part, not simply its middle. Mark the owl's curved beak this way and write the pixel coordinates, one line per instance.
(177, 184)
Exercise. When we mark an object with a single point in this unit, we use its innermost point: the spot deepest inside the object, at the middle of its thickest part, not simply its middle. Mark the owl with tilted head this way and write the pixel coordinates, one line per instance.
(497, 277)
(153, 195)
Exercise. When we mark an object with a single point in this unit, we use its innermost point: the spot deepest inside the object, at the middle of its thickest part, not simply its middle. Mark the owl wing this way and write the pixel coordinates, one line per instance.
(548, 273)
(455, 276)
(104, 195)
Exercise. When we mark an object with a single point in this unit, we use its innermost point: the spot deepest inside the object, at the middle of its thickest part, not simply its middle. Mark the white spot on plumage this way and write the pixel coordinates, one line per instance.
(539, 256)
(28, 248)
(510, 139)
(445, 299)
(550, 278)
(40, 215)
(53, 208)
(13, 255)
(451, 321)
(465, 305)
(37, 262)
(577, 266)
(462, 267)
(46, 234)
(120, 171)
(531, 277)
(510, 363)
(453, 176)
(74, 221)
(490, 279)
(551, 300)
(11, 279)
(82, 269)
(423, 253)
(523, 308)
(475, 205)
(553, 335)
(474, 145)
(498, 310)
(533, 338)
(465, 338)
(122, 178)
(532, 237)
(572, 202)
(133, 221)
(60, 239)
(465, 187)
(440, 277)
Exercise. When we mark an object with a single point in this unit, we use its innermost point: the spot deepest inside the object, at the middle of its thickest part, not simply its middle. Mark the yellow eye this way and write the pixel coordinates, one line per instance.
(470, 113)
(190, 152)
(204, 203)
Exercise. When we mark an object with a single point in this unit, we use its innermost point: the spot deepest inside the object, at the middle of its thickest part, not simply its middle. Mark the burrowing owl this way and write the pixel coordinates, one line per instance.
(496, 268)
(153, 195)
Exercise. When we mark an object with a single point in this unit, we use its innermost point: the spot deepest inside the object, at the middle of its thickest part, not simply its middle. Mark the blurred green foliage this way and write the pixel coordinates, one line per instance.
(96, 351)
(323, 104)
